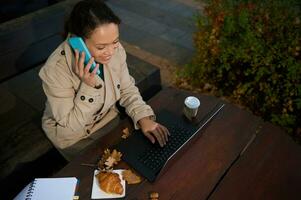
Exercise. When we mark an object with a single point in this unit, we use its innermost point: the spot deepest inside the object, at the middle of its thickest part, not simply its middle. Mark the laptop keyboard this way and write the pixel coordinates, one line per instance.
(155, 157)
(149, 159)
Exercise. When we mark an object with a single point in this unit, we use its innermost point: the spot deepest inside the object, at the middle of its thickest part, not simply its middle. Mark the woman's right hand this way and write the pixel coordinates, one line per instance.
(82, 71)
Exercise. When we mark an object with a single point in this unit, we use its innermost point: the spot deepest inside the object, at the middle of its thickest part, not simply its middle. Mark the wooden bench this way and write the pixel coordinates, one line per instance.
(26, 42)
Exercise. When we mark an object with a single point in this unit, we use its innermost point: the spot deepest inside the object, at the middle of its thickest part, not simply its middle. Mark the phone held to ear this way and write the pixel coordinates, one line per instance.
(79, 44)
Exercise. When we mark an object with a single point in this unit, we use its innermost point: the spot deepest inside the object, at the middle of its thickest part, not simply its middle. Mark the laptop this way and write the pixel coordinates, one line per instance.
(151, 160)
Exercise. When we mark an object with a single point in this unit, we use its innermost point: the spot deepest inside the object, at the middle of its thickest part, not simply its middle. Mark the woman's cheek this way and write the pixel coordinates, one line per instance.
(93, 54)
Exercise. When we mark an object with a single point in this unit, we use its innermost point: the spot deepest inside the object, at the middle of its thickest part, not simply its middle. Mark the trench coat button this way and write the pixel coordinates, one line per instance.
(88, 131)
(118, 86)
(91, 100)
(63, 53)
(82, 98)
(98, 86)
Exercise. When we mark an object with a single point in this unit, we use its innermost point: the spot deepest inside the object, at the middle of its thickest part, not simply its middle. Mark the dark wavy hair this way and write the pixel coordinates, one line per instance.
(87, 15)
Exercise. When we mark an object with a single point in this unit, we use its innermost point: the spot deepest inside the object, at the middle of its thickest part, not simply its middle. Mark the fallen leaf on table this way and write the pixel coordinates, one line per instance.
(116, 155)
(110, 162)
(154, 195)
(126, 133)
(130, 177)
(108, 159)
(106, 154)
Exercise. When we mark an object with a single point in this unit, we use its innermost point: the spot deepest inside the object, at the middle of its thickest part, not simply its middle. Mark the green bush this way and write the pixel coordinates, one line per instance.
(250, 51)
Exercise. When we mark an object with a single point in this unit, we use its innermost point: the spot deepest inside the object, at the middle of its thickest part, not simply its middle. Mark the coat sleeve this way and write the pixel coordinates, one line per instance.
(70, 109)
(130, 97)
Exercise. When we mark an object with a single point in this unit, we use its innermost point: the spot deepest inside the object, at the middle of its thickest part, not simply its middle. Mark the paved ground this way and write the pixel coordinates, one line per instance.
(159, 32)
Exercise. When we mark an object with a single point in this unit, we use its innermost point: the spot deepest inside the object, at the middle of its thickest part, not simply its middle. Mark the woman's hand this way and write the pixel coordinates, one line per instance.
(82, 71)
(154, 131)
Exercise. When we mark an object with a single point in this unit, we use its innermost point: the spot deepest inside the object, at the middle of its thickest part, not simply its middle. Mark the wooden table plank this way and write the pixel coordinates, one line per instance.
(199, 169)
(269, 169)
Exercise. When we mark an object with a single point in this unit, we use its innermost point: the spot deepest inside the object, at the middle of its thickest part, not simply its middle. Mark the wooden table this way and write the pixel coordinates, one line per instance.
(237, 156)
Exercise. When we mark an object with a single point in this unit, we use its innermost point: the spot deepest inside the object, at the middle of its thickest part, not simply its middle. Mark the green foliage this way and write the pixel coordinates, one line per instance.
(250, 51)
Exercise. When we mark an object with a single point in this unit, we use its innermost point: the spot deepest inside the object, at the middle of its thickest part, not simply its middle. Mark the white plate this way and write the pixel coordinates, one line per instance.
(97, 193)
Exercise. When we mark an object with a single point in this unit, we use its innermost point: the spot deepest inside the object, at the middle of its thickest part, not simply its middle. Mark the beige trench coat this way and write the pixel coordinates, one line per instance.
(75, 110)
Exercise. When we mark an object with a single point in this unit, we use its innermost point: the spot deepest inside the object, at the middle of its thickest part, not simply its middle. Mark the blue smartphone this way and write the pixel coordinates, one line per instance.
(79, 44)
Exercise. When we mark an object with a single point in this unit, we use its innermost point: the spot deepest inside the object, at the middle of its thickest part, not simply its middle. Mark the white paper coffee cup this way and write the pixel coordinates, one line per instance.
(191, 106)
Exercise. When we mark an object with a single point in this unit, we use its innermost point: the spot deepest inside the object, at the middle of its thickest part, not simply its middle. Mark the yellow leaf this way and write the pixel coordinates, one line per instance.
(126, 133)
(110, 162)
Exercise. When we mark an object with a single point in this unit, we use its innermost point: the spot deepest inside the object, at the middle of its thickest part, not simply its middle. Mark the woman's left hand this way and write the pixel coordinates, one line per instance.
(82, 71)
(154, 131)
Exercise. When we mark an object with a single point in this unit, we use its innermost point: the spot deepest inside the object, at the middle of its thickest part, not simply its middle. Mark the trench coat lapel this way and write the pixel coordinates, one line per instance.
(110, 86)
(114, 73)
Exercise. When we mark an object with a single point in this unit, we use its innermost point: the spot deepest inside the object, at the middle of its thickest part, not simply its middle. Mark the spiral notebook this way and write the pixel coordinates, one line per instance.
(49, 189)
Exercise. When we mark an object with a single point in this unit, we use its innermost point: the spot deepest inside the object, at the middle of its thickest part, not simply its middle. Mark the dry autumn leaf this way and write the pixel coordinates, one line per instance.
(110, 162)
(116, 155)
(154, 195)
(108, 159)
(130, 177)
(106, 154)
(126, 133)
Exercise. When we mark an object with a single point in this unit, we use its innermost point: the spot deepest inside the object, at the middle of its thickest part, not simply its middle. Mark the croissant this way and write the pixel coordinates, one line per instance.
(110, 182)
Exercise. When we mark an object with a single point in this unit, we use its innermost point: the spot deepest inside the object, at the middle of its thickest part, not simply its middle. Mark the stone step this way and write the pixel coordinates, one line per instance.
(23, 40)
(28, 88)
(146, 75)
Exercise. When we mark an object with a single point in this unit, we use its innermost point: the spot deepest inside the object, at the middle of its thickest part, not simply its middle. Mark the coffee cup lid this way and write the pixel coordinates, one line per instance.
(192, 102)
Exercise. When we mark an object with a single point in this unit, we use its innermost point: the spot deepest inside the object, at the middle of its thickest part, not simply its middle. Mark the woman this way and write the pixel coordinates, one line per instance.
(80, 104)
